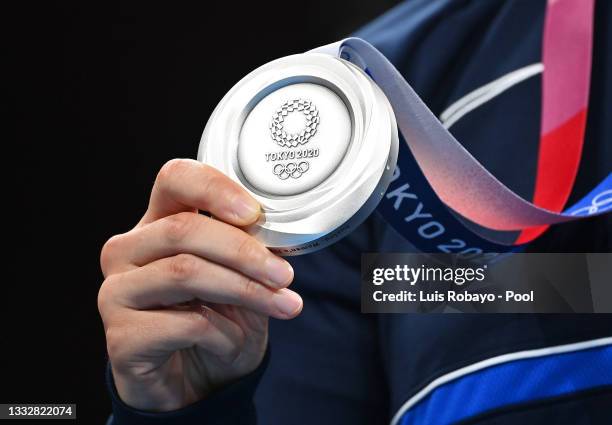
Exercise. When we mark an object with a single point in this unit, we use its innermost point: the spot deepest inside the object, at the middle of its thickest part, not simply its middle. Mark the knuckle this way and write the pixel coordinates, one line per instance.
(249, 291)
(103, 297)
(107, 295)
(178, 226)
(114, 345)
(248, 249)
(110, 250)
(173, 169)
(182, 267)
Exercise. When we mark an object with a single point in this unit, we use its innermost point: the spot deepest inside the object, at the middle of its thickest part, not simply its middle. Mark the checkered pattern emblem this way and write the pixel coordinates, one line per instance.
(291, 140)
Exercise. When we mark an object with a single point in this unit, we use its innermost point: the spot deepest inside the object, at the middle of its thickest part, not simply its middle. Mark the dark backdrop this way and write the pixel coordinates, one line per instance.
(101, 95)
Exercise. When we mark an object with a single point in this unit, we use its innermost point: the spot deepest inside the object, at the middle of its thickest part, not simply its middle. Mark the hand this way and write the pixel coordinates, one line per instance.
(186, 298)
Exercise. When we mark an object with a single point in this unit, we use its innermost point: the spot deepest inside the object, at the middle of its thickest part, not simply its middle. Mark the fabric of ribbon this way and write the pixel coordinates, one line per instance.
(442, 198)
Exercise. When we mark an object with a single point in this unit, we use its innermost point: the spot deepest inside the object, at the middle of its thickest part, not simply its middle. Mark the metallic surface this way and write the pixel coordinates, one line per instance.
(313, 139)
(300, 149)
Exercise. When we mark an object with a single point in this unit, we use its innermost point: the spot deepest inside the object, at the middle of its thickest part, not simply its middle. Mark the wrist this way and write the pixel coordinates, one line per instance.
(148, 394)
(230, 404)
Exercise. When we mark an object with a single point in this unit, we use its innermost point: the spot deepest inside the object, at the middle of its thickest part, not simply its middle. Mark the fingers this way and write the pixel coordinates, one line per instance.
(185, 185)
(200, 236)
(156, 333)
(184, 277)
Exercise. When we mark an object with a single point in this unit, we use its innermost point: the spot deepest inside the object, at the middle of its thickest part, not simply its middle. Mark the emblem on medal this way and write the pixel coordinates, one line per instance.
(309, 114)
(288, 109)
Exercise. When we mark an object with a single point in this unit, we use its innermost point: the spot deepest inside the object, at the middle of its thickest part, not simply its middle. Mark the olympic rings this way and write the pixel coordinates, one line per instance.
(291, 169)
(601, 202)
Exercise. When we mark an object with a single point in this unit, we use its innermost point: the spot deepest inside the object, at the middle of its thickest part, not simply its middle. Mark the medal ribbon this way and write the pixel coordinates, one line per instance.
(566, 56)
(467, 200)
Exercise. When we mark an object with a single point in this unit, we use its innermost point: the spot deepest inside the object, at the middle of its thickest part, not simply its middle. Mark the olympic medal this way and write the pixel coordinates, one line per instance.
(313, 139)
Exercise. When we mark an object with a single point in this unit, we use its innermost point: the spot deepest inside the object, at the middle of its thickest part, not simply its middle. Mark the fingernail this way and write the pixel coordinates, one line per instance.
(288, 302)
(279, 271)
(246, 208)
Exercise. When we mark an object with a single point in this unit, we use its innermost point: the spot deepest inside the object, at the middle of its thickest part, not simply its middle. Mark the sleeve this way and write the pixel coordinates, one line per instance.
(230, 405)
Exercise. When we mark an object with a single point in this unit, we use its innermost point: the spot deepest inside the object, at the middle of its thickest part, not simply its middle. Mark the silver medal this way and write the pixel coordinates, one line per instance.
(313, 139)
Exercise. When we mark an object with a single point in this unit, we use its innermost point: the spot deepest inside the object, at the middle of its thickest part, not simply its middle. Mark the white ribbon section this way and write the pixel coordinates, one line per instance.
(457, 178)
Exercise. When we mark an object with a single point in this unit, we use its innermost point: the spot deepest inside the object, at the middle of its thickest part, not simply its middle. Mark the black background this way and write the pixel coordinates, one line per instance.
(101, 95)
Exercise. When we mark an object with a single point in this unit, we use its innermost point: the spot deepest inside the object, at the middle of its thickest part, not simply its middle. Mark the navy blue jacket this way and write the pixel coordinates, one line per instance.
(334, 365)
